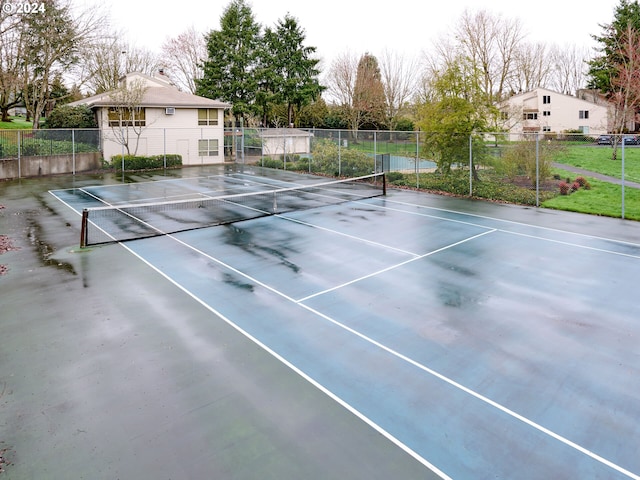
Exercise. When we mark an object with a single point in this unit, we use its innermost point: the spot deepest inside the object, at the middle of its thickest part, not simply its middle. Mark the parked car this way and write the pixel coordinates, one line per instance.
(630, 140)
(604, 140)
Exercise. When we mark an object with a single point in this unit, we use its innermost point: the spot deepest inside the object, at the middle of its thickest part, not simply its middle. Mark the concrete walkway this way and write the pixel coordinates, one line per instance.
(599, 176)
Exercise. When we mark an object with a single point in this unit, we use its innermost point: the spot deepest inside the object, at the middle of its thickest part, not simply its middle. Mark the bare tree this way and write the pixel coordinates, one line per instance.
(183, 57)
(568, 68)
(341, 84)
(491, 43)
(108, 59)
(531, 68)
(341, 78)
(399, 78)
(127, 118)
(10, 64)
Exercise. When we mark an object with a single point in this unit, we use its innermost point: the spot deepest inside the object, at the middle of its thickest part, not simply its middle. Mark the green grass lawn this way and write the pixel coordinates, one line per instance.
(598, 159)
(603, 198)
(16, 123)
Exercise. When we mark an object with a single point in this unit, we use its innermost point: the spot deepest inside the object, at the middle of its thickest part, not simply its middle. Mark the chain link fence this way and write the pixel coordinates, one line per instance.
(596, 174)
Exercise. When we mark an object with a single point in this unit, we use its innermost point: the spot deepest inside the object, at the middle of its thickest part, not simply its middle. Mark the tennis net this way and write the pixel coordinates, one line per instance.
(117, 223)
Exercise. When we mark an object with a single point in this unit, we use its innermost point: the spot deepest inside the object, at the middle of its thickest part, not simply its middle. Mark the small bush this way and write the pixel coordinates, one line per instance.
(395, 176)
(564, 188)
(153, 162)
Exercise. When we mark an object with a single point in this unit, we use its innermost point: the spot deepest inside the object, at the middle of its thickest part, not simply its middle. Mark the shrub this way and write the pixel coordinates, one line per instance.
(269, 162)
(67, 116)
(395, 176)
(154, 162)
(330, 160)
(564, 188)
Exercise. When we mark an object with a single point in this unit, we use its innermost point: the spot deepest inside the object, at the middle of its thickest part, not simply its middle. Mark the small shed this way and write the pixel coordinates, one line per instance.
(289, 141)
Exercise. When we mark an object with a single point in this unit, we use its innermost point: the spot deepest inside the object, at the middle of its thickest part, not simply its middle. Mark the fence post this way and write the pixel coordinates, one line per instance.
(537, 169)
(622, 179)
(164, 147)
(375, 152)
(471, 165)
(417, 160)
(339, 151)
(19, 154)
(73, 151)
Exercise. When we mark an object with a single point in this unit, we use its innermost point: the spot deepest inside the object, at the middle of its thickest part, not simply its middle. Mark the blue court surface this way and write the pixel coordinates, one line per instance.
(400, 336)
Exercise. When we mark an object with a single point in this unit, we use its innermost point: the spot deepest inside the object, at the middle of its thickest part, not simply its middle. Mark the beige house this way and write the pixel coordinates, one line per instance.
(542, 110)
(150, 116)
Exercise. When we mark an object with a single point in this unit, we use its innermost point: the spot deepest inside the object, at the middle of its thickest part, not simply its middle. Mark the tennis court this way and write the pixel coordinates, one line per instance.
(403, 335)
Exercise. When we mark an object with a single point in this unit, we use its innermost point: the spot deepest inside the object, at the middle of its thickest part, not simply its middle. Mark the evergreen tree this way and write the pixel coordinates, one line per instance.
(291, 70)
(229, 73)
(603, 67)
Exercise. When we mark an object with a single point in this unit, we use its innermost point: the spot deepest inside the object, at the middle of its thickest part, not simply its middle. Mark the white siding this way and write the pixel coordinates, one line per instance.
(554, 112)
(172, 134)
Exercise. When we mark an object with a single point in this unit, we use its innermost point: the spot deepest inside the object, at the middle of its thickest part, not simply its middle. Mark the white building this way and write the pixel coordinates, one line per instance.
(165, 120)
(289, 141)
(542, 110)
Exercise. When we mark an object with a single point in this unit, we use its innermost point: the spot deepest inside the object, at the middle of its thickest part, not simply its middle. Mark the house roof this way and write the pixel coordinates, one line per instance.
(285, 132)
(521, 97)
(158, 93)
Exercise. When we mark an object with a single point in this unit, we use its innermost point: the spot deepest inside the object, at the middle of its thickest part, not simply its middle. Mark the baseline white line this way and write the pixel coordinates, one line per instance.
(392, 267)
(284, 361)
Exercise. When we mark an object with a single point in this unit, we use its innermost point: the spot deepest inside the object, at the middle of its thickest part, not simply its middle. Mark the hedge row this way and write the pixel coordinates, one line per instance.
(153, 162)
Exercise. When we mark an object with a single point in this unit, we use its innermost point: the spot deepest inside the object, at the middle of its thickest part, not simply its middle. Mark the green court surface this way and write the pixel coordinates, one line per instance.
(402, 336)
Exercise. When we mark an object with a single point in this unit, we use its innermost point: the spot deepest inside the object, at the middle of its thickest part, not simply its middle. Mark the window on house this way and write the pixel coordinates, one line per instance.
(208, 147)
(530, 116)
(546, 129)
(127, 117)
(504, 115)
(207, 116)
(546, 113)
(546, 99)
(583, 114)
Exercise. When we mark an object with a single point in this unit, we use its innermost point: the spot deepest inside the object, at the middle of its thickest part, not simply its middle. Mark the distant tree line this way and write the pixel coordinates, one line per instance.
(273, 78)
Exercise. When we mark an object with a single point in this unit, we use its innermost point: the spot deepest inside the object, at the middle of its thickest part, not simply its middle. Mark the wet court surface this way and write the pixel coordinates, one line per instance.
(409, 336)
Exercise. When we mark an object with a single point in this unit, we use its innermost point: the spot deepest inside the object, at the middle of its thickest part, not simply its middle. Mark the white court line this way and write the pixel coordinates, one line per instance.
(393, 267)
(347, 235)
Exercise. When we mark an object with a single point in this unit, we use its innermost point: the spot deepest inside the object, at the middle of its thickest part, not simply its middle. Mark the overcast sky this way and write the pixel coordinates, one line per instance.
(337, 26)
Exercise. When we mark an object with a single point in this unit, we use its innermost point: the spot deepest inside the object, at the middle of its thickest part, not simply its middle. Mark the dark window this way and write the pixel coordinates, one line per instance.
(583, 114)
(207, 116)
(127, 117)
(546, 99)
